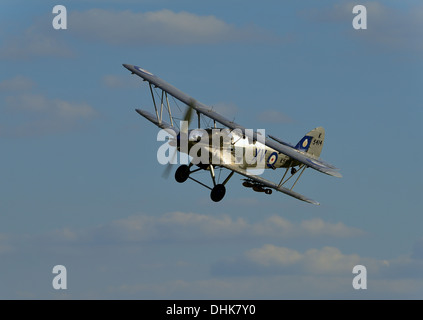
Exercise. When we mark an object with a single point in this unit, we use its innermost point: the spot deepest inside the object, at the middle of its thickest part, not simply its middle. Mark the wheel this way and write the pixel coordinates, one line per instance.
(218, 192)
(182, 173)
(293, 170)
(268, 191)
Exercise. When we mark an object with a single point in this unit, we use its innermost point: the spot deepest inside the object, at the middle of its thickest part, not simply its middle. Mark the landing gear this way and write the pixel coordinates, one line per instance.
(218, 192)
(293, 171)
(182, 173)
(268, 191)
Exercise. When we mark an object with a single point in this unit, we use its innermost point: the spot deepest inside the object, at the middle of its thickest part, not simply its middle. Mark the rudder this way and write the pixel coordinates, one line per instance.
(312, 142)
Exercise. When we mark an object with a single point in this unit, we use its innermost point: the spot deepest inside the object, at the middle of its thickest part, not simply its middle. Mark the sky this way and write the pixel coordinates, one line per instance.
(81, 185)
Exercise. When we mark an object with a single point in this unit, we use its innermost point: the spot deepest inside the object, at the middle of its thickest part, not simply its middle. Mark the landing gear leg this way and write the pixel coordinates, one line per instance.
(217, 192)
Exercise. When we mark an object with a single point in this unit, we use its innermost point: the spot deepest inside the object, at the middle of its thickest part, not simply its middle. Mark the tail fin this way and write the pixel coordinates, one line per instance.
(312, 142)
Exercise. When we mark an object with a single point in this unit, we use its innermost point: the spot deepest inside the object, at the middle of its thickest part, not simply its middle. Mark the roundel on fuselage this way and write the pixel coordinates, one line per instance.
(272, 159)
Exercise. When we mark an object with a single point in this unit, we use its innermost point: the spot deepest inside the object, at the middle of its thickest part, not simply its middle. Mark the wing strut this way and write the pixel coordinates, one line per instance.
(298, 177)
(212, 174)
(159, 115)
(286, 171)
(168, 109)
(230, 176)
(301, 168)
(154, 102)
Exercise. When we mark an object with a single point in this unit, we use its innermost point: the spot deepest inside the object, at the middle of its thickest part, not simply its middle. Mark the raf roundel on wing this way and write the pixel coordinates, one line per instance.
(144, 71)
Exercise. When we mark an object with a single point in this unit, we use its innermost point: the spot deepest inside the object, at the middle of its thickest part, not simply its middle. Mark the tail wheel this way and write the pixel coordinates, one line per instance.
(182, 173)
(218, 192)
(268, 191)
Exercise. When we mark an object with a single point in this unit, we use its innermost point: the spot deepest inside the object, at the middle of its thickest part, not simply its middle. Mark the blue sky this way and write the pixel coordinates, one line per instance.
(80, 182)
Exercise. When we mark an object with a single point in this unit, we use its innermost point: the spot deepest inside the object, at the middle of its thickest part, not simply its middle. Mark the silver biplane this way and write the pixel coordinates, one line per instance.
(268, 151)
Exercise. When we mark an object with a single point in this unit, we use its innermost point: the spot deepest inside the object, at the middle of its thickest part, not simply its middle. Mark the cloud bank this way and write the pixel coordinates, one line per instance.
(125, 254)
(394, 28)
(32, 113)
(138, 29)
(180, 227)
(160, 27)
(272, 259)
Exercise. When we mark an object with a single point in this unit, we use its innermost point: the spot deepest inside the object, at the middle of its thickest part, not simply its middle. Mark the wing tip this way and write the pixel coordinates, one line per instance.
(331, 172)
(336, 174)
(312, 201)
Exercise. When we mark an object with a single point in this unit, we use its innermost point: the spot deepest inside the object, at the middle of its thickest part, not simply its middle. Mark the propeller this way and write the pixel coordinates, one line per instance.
(183, 134)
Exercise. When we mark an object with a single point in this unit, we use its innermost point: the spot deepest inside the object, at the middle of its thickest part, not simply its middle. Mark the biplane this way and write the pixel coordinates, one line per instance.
(237, 149)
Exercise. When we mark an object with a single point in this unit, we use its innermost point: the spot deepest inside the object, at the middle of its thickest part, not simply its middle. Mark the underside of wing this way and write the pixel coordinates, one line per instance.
(161, 124)
(268, 183)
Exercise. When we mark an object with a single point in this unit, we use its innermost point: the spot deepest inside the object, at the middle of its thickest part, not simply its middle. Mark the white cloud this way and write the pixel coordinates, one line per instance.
(317, 226)
(18, 83)
(30, 113)
(176, 227)
(159, 27)
(270, 287)
(271, 259)
(119, 260)
(270, 254)
(139, 29)
(276, 225)
(57, 108)
(36, 41)
(400, 28)
(170, 227)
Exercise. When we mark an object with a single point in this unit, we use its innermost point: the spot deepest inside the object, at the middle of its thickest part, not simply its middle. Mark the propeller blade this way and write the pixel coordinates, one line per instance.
(168, 168)
(183, 135)
(187, 117)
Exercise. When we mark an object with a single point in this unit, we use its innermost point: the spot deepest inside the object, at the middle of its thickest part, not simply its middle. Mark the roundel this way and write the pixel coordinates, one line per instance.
(305, 143)
(272, 159)
(143, 70)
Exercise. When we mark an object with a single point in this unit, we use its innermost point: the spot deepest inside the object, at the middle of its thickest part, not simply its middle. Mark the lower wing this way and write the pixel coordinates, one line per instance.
(268, 183)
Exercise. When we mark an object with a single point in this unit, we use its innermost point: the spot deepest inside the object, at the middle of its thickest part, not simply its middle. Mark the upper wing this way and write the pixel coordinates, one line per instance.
(309, 161)
(268, 183)
(178, 94)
